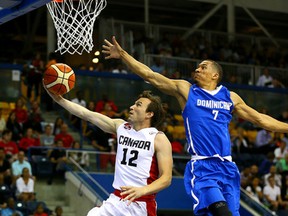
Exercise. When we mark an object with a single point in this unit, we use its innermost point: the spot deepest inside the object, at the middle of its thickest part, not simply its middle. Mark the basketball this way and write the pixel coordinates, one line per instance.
(59, 79)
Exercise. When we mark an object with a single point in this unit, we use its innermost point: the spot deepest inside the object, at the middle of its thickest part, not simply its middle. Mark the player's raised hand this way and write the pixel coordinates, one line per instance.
(111, 50)
(53, 96)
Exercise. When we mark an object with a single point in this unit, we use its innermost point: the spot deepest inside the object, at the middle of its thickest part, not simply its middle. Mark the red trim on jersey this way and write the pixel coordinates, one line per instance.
(154, 172)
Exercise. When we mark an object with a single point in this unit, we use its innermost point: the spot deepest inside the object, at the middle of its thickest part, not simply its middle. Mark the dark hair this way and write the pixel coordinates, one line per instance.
(218, 69)
(6, 131)
(155, 106)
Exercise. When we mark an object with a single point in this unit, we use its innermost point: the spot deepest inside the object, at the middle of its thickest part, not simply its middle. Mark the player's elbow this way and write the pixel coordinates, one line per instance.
(167, 179)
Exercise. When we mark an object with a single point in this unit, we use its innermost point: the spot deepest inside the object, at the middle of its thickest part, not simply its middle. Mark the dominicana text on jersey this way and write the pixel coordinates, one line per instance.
(207, 115)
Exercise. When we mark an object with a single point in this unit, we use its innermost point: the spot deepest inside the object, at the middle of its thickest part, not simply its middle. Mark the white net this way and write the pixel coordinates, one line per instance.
(74, 23)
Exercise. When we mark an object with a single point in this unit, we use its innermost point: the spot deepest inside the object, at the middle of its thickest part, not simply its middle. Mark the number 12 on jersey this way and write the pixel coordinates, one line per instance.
(133, 155)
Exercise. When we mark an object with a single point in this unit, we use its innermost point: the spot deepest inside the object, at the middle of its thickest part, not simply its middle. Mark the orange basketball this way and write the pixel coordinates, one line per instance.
(59, 78)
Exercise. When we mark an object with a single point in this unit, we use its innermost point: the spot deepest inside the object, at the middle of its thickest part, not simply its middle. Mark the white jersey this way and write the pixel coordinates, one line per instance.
(136, 163)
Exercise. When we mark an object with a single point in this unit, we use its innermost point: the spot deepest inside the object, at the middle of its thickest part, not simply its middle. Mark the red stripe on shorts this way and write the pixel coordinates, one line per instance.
(149, 199)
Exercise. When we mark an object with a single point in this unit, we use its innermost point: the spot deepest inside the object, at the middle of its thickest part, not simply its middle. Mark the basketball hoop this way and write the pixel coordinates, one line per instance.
(74, 23)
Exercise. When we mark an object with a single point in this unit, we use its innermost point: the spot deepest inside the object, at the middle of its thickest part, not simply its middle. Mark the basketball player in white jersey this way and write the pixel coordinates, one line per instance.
(143, 160)
(211, 179)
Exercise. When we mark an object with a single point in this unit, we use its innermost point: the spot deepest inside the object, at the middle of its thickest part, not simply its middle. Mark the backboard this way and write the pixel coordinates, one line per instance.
(10, 9)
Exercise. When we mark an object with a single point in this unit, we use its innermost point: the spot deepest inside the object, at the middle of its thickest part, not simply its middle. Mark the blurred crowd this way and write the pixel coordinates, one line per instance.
(23, 128)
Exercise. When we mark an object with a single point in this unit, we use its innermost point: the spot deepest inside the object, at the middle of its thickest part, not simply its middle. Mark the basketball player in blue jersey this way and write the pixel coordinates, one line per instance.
(211, 178)
(143, 160)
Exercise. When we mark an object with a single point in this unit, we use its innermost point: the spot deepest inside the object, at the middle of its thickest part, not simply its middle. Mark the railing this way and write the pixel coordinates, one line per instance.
(257, 206)
(233, 73)
(156, 31)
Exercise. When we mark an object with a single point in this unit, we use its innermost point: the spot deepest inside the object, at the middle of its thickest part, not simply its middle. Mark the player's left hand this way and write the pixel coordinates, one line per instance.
(112, 50)
(131, 193)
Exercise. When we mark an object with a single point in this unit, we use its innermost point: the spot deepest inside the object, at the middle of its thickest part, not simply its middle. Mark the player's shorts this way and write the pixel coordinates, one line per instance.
(115, 206)
(211, 180)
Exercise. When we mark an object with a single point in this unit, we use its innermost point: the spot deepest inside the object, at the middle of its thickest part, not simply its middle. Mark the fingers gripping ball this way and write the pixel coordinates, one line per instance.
(59, 78)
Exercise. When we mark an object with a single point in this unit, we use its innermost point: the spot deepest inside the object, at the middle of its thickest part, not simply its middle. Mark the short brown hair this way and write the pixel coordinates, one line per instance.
(155, 106)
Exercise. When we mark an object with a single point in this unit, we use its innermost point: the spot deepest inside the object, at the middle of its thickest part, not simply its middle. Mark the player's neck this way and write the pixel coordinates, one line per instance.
(140, 126)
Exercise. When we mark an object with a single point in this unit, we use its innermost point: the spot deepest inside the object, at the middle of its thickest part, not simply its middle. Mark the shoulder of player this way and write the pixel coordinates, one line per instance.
(161, 138)
(118, 122)
(162, 144)
(236, 99)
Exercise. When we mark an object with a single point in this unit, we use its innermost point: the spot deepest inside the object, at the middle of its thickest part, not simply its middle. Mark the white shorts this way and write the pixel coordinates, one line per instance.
(114, 206)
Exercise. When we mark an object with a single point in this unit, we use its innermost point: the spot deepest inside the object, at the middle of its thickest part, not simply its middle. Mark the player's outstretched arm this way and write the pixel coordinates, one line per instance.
(165, 162)
(262, 120)
(105, 123)
(114, 50)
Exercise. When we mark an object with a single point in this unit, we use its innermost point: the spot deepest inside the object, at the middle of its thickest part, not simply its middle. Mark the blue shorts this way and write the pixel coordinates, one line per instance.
(211, 180)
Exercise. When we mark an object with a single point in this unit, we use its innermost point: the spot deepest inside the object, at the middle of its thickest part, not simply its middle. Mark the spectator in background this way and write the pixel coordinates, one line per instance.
(21, 112)
(10, 210)
(89, 129)
(2, 122)
(265, 80)
(282, 167)
(15, 127)
(101, 103)
(276, 83)
(33, 74)
(64, 135)
(25, 186)
(284, 191)
(158, 66)
(105, 145)
(40, 211)
(240, 143)
(75, 121)
(47, 138)
(5, 167)
(108, 111)
(282, 164)
(57, 125)
(254, 172)
(59, 160)
(9, 146)
(58, 211)
(31, 139)
(6, 192)
(272, 195)
(266, 163)
(81, 157)
(277, 177)
(35, 117)
(263, 142)
(169, 115)
(19, 165)
(280, 151)
(255, 189)
(244, 177)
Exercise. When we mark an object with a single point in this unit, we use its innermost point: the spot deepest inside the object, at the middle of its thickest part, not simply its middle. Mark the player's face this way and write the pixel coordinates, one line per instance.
(203, 73)
(138, 112)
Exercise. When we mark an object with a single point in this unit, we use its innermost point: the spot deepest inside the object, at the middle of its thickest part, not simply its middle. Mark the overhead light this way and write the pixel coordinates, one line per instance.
(95, 60)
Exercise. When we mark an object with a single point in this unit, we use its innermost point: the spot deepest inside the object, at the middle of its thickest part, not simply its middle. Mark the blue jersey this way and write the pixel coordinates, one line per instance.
(207, 115)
